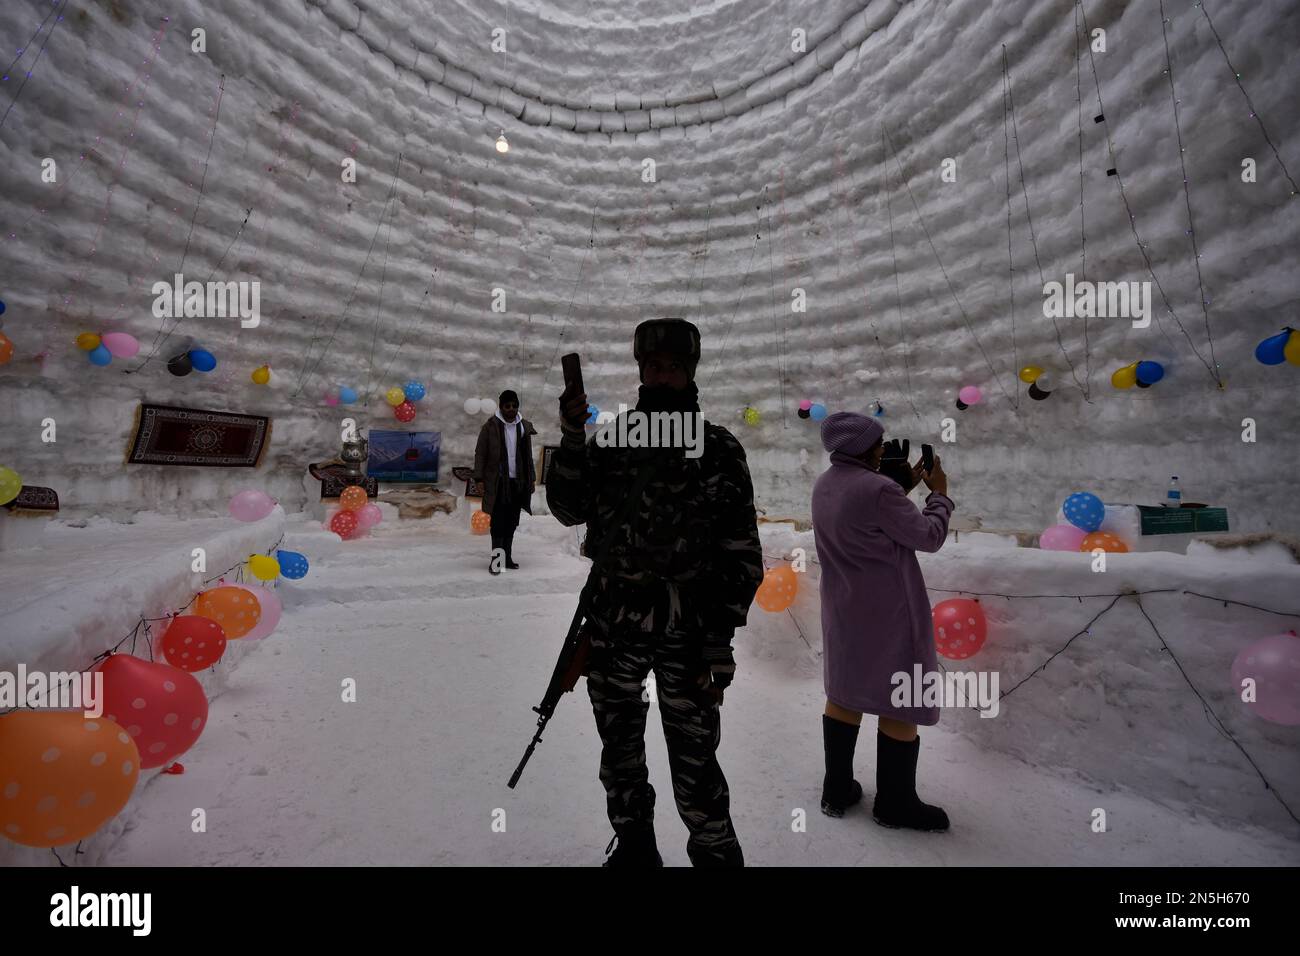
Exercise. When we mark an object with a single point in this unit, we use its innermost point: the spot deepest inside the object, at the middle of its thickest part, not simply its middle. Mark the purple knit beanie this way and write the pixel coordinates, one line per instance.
(850, 432)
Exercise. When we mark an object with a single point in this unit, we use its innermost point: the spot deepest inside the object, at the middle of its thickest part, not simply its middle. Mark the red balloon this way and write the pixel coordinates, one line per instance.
(162, 708)
(193, 643)
(960, 628)
(344, 524)
(405, 412)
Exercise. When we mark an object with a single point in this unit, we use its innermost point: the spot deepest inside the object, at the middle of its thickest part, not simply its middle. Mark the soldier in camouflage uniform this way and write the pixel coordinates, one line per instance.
(677, 581)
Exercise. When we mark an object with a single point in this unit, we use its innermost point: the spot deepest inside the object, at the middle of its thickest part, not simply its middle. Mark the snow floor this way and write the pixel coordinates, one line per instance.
(448, 661)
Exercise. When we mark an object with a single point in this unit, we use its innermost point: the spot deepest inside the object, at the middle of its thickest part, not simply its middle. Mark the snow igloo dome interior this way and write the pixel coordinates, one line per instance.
(1055, 240)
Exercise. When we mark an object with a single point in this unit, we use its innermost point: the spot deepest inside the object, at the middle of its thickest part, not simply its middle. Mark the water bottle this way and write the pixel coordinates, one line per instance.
(1174, 496)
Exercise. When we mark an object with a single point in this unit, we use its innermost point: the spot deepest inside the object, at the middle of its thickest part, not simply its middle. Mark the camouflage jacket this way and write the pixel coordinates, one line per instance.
(690, 553)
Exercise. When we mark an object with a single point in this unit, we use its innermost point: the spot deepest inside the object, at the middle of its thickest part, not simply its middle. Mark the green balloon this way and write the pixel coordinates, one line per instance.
(10, 485)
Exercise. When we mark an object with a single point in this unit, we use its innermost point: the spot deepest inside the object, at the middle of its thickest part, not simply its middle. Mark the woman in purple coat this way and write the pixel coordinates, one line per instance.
(875, 615)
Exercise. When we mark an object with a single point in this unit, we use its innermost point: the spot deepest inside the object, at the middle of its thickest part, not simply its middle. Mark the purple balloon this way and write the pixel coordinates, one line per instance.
(251, 505)
(272, 608)
(1062, 537)
(1274, 665)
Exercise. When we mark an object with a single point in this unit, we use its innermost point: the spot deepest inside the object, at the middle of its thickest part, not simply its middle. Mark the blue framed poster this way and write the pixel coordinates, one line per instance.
(404, 456)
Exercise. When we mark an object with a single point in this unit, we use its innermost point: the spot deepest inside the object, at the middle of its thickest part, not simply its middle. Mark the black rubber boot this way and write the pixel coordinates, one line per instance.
(897, 804)
(839, 790)
(636, 848)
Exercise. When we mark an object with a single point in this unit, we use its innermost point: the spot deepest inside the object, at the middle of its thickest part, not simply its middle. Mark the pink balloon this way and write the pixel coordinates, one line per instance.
(251, 505)
(370, 515)
(1274, 665)
(120, 344)
(805, 405)
(1062, 537)
(970, 395)
(272, 608)
(331, 399)
(960, 627)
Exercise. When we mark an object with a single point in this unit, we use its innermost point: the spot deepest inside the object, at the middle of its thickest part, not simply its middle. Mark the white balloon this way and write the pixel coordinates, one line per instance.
(472, 406)
(488, 406)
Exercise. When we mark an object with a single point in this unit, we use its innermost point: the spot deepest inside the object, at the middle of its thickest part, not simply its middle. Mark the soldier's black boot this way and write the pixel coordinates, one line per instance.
(839, 790)
(636, 848)
(897, 804)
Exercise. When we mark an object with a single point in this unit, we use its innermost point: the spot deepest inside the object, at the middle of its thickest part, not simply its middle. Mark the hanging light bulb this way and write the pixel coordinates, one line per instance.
(503, 145)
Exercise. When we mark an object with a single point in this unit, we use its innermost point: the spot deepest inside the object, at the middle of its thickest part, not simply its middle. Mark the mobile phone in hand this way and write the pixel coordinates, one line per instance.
(927, 458)
(572, 366)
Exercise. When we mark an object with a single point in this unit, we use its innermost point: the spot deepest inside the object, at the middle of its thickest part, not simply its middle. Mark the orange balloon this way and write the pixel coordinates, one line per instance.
(353, 498)
(480, 522)
(6, 349)
(1104, 540)
(236, 609)
(778, 590)
(62, 776)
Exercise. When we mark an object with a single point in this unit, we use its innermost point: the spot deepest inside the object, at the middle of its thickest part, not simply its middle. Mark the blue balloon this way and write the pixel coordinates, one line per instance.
(1148, 373)
(2, 307)
(292, 564)
(1272, 350)
(202, 360)
(413, 391)
(817, 412)
(595, 413)
(99, 355)
(347, 395)
(1084, 511)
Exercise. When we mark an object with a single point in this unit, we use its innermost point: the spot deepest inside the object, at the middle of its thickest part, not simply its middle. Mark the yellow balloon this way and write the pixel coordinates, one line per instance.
(88, 341)
(262, 375)
(394, 396)
(1029, 374)
(10, 485)
(264, 568)
(751, 416)
(1125, 377)
(1292, 348)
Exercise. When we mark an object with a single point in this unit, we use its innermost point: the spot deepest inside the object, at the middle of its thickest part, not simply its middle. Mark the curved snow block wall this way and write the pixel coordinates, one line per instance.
(713, 164)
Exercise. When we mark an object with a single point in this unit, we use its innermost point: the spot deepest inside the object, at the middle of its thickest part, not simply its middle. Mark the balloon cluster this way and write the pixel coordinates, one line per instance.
(194, 360)
(1039, 381)
(403, 398)
(810, 409)
(1141, 374)
(480, 406)
(1283, 347)
(357, 514)
(102, 349)
(1085, 514)
(343, 395)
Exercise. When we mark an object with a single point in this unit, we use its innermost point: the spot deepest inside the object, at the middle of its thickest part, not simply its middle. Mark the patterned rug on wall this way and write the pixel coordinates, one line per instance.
(168, 435)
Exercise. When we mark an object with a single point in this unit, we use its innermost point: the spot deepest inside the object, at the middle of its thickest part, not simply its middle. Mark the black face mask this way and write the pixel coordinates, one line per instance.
(663, 398)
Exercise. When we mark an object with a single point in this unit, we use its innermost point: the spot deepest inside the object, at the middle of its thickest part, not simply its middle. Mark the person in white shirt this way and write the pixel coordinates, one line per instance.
(503, 462)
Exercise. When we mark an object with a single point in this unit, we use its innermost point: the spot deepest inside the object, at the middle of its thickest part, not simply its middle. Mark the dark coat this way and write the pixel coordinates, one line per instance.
(491, 464)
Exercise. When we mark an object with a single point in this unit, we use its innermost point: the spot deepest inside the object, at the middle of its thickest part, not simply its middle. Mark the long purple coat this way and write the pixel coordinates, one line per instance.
(875, 610)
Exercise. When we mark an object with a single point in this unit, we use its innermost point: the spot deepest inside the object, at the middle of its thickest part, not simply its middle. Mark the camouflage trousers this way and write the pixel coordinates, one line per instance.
(621, 697)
